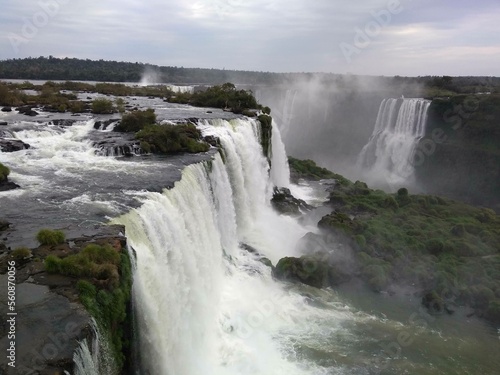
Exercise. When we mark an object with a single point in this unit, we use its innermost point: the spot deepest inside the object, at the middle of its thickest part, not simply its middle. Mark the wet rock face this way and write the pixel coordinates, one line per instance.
(50, 321)
(47, 330)
(284, 202)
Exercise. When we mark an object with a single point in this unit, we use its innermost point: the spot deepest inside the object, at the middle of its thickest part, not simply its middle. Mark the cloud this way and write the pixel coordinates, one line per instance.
(265, 35)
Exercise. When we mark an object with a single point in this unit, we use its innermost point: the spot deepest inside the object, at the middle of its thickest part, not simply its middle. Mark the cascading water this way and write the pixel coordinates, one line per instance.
(92, 358)
(203, 304)
(387, 157)
(195, 289)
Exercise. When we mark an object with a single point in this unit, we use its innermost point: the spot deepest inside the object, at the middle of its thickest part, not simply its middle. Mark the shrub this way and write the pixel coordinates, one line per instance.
(50, 237)
(52, 264)
(136, 120)
(403, 192)
(102, 106)
(21, 253)
(434, 246)
(4, 172)
(76, 106)
(391, 203)
(171, 139)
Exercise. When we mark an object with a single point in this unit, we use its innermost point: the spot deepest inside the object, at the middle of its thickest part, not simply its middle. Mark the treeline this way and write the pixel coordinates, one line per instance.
(51, 68)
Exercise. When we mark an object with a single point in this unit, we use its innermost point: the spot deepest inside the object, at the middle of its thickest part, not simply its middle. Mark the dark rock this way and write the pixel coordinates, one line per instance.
(6, 185)
(103, 125)
(27, 110)
(4, 225)
(310, 271)
(3, 123)
(63, 122)
(434, 303)
(12, 145)
(6, 109)
(284, 202)
(250, 249)
(212, 140)
(266, 262)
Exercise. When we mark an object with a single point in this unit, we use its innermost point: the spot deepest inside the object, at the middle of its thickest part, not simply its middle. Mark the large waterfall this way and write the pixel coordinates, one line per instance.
(205, 306)
(387, 158)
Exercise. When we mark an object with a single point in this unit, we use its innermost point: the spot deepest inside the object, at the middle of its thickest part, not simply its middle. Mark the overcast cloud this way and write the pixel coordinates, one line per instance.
(424, 37)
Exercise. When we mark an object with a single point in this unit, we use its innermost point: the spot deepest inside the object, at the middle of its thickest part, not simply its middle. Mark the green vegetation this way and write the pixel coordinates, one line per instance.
(266, 127)
(4, 172)
(136, 120)
(50, 237)
(51, 68)
(462, 138)
(307, 169)
(104, 288)
(102, 106)
(446, 248)
(171, 139)
(21, 254)
(224, 96)
(309, 270)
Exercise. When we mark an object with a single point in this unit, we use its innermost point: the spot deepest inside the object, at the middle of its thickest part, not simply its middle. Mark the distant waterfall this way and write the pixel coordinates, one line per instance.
(387, 157)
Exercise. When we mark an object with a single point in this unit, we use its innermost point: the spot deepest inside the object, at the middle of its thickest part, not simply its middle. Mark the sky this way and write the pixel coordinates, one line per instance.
(372, 37)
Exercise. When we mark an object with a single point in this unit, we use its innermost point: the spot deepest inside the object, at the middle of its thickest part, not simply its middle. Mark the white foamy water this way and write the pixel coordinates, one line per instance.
(388, 155)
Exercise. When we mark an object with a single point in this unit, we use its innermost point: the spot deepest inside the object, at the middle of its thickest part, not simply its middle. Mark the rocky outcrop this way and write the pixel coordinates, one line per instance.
(12, 145)
(284, 202)
(50, 320)
(103, 125)
(309, 270)
(27, 110)
(8, 185)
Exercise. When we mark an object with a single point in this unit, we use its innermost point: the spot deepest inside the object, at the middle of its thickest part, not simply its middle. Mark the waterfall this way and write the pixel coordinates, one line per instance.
(205, 305)
(93, 358)
(387, 157)
(280, 171)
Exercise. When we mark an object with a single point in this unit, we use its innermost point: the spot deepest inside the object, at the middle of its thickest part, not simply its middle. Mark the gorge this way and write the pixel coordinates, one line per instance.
(201, 233)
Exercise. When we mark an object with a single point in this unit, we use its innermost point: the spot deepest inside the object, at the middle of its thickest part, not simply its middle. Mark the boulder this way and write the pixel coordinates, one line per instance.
(6, 109)
(284, 202)
(12, 145)
(435, 304)
(102, 125)
(309, 270)
(3, 123)
(6, 185)
(63, 122)
(27, 110)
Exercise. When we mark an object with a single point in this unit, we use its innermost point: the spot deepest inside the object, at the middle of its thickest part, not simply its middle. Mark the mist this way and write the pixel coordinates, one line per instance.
(331, 118)
(150, 76)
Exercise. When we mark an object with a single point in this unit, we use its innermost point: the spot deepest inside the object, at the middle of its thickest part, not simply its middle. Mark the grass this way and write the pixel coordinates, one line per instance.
(4, 172)
(104, 287)
(50, 237)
